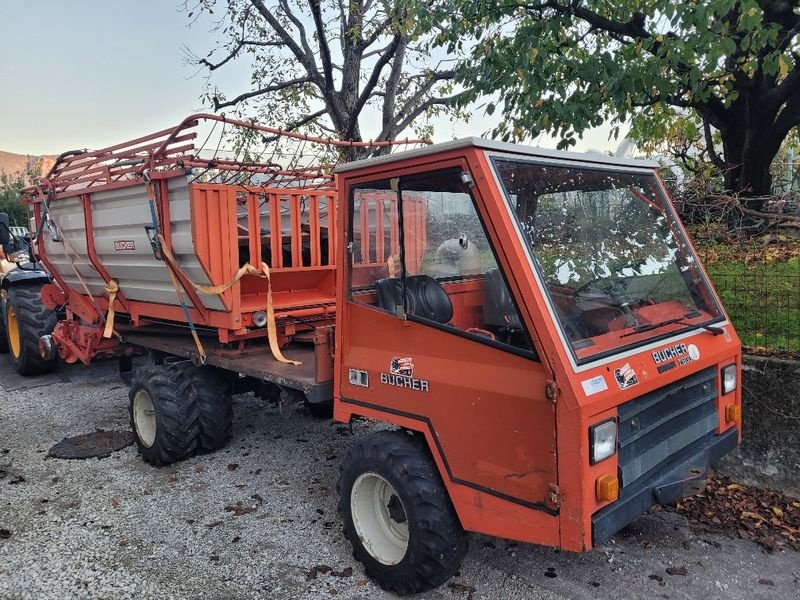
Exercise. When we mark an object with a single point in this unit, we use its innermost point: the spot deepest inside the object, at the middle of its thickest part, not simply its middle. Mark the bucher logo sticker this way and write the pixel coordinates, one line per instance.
(123, 245)
(402, 366)
(401, 371)
(625, 376)
(678, 355)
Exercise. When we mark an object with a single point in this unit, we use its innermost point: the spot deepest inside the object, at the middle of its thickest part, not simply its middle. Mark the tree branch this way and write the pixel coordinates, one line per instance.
(379, 30)
(402, 123)
(712, 153)
(429, 103)
(635, 28)
(377, 50)
(788, 118)
(322, 41)
(369, 86)
(392, 83)
(301, 30)
(426, 87)
(234, 53)
(299, 123)
(265, 90)
(787, 88)
(303, 55)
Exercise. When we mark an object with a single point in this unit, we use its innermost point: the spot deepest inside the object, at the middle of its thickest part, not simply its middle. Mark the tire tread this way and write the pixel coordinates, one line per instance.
(34, 320)
(441, 542)
(176, 410)
(214, 405)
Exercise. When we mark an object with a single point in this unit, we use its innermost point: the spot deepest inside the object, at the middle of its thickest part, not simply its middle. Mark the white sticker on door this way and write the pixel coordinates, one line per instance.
(595, 385)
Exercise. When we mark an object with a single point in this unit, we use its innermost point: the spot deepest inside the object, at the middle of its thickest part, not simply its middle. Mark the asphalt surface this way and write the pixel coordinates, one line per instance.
(253, 520)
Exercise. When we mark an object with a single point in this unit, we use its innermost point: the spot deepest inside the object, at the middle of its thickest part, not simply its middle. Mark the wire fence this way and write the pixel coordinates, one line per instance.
(759, 285)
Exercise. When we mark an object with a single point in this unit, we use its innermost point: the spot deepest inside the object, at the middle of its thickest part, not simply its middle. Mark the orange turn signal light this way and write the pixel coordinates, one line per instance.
(733, 413)
(607, 488)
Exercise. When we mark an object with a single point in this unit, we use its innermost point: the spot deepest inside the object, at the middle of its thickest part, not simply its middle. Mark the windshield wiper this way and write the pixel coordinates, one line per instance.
(650, 326)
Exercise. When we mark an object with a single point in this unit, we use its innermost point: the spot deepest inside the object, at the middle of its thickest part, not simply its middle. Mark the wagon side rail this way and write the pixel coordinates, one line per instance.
(175, 147)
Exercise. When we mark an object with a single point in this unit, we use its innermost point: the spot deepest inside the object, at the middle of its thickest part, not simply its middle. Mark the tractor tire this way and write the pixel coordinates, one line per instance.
(164, 415)
(214, 405)
(397, 513)
(26, 320)
(3, 335)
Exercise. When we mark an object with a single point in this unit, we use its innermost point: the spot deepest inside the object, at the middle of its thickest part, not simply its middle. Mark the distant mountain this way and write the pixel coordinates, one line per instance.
(14, 163)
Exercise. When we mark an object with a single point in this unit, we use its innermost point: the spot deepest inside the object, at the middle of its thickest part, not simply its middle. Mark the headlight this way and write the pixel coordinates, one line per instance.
(728, 379)
(603, 440)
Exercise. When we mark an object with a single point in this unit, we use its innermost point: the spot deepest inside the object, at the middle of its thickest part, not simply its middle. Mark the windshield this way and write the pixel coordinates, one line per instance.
(609, 251)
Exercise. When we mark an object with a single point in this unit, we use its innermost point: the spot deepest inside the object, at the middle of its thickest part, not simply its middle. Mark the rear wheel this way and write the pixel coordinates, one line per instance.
(214, 406)
(26, 320)
(397, 513)
(164, 415)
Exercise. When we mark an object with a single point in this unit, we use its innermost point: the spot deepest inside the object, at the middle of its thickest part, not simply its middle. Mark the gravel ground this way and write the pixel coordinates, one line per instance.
(117, 528)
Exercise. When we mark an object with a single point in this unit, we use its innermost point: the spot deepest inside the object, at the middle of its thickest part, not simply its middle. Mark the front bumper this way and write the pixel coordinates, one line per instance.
(684, 475)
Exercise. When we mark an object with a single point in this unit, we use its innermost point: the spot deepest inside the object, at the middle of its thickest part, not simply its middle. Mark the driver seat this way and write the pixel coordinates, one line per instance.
(498, 308)
(425, 297)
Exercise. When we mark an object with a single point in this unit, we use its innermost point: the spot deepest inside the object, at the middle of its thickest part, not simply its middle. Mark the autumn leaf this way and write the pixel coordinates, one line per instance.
(783, 66)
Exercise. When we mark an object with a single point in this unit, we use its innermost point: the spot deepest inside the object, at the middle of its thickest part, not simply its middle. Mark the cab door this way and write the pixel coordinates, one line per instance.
(429, 333)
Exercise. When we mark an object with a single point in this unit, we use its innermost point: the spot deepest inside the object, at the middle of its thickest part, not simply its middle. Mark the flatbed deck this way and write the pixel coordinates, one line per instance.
(253, 361)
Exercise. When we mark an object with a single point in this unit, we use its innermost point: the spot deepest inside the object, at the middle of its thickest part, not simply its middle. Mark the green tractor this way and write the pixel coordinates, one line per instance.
(23, 317)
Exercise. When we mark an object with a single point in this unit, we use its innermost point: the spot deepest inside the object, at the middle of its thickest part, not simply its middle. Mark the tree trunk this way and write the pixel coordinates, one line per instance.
(748, 154)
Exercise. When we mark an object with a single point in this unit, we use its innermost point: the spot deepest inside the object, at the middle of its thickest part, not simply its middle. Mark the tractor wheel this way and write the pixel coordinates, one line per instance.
(214, 405)
(397, 513)
(3, 335)
(26, 320)
(164, 415)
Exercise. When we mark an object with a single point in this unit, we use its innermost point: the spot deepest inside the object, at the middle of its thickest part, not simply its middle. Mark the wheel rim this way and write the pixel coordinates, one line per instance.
(144, 418)
(379, 518)
(12, 326)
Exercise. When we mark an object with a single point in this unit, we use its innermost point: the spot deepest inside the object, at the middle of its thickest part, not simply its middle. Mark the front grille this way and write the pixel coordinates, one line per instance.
(653, 427)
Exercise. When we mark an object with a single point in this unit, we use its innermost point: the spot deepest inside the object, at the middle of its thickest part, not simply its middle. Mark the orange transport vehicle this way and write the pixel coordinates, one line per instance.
(534, 326)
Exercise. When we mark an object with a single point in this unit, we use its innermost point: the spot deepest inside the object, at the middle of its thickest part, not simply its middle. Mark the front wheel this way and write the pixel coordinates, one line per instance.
(397, 513)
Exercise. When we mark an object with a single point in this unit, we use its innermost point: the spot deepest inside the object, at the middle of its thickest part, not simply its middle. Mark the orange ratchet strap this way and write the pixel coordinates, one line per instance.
(247, 269)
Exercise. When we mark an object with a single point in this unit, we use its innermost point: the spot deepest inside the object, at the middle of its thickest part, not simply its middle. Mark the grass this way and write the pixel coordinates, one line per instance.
(762, 299)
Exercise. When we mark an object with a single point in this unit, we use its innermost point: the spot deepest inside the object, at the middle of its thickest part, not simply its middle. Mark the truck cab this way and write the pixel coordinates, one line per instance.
(542, 321)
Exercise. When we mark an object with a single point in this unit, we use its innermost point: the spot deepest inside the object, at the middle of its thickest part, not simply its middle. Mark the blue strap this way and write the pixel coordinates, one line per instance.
(154, 217)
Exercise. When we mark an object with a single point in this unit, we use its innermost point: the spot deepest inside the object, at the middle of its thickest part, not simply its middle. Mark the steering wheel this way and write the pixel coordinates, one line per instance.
(581, 289)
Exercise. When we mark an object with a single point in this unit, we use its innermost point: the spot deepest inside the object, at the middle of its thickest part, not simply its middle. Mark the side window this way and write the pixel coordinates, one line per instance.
(375, 234)
(444, 238)
(440, 268)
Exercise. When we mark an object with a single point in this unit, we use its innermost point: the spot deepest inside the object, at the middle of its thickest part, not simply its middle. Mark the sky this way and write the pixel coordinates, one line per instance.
(92, 73)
